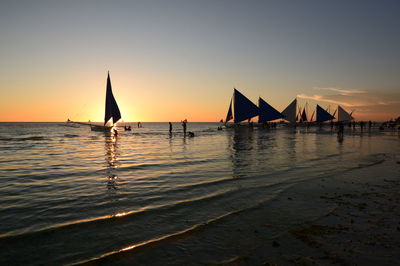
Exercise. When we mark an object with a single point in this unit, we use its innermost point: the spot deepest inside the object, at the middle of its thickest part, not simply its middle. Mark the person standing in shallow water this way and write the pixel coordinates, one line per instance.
(170, 127)
(184, 126)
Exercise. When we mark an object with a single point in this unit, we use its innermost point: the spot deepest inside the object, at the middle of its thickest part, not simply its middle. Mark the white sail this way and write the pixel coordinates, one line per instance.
(290, 112)
(343, 115)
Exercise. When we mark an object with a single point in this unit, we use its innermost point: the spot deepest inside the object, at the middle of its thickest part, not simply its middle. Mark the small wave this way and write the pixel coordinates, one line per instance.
(121, 217)
(23, 139)
(70, 136)
(165, 165)
(155, 241)
(209, 130)
(31, 138)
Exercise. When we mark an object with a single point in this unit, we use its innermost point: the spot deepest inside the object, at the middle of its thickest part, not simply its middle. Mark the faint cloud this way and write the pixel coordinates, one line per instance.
(332, 99)
(342, 91)
(367, 103)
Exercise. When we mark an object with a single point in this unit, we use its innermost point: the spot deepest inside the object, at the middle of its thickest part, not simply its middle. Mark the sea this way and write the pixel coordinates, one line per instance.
(72, 195)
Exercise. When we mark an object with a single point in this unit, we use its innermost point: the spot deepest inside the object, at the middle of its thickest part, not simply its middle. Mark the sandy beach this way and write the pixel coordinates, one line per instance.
(362, 227)
(351, 219)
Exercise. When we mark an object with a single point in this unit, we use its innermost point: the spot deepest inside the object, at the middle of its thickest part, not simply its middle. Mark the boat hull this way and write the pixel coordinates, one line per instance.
(100, 128)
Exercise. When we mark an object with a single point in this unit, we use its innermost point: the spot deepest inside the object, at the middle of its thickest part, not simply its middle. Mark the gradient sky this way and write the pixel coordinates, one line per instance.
(171, 60)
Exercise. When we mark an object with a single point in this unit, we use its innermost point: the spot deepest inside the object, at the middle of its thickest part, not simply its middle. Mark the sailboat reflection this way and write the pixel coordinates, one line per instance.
(112, 163)
(241, 145)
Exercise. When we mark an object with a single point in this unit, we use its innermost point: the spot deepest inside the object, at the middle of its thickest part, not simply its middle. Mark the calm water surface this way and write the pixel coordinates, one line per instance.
(69, 195)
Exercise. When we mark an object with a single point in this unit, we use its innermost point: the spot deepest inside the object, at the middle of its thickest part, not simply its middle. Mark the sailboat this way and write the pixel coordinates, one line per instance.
(289, 113)
(343, 116)
(267, 112)
(243, 108)
(303, 116)
(112, 113)
(323, 115)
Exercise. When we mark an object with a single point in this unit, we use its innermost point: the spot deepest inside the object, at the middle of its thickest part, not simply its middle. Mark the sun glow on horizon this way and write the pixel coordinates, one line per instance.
(183, 62)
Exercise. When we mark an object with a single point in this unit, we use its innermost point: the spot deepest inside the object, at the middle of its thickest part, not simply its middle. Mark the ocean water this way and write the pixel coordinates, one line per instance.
(70, 195)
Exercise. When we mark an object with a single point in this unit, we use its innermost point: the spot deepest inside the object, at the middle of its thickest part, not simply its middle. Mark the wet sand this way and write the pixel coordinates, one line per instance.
(363, 227)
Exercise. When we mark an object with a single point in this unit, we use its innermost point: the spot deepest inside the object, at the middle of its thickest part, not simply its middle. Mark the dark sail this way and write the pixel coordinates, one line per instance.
(243, 108)
(112, 110)
(229, 114)
(303, 116)
(267, 112)
(323, 115)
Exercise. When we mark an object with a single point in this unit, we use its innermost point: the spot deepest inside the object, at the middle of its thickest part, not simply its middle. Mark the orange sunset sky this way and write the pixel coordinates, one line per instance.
(171, 60)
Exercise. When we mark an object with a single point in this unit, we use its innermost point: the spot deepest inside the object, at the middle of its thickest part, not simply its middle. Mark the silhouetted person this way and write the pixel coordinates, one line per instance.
(341, 129)
(184, 126)
(221, 123)
(139, 124)
(170, 127)
(369, 124)
(362, 125)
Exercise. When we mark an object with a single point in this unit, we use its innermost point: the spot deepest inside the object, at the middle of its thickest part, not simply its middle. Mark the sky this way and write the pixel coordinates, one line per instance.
(170, 60)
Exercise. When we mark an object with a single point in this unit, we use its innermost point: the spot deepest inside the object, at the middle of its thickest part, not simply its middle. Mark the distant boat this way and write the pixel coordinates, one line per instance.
(343, 116)
(323, 115)
(290, 112)
(243, 108)
(303, 117)
(267, 112)
(69, 123)
(112, 113)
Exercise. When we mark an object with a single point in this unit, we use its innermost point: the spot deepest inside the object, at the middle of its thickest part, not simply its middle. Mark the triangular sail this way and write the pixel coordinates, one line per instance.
(229, 114)
(303, 117)
(312, 116)
(112, 110)
(267, 112)
(343, 115)
(289, 113)
(334, 113)
(243, 108)
(323, 115)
